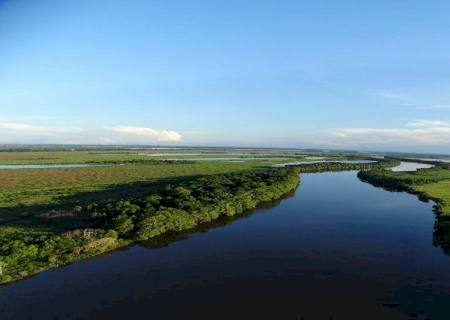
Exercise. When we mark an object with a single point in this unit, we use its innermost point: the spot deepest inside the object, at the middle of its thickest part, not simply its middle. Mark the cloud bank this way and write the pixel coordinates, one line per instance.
(15, 132)
(419, 132)
(160, 135)
(418, 135)
(31, 129)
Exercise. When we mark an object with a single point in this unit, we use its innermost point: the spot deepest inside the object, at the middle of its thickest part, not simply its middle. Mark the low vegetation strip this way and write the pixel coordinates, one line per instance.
(341, 166)
(27, 251)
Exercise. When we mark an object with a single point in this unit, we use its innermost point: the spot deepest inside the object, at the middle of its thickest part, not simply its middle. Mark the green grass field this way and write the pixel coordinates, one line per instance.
(423, 175)
(102, 156)
(118, 155)
(61, 157)
(33, 190)
(438, 190)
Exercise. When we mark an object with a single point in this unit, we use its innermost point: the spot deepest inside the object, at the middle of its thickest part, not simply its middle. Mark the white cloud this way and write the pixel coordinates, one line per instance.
(31, 129)
(419, 132)
(427, 124)
(160, 135)
(105, 140)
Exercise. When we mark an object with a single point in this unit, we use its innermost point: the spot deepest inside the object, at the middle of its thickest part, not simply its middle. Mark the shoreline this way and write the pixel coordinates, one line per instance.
(109, 242)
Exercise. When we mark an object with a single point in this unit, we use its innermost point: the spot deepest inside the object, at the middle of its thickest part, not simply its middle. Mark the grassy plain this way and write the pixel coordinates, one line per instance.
(439, 191)
(62, 157)
(122, 155)
(105, 156)
(34, 190)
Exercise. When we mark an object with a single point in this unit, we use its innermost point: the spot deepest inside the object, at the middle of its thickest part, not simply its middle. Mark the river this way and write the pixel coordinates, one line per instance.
(337, 248)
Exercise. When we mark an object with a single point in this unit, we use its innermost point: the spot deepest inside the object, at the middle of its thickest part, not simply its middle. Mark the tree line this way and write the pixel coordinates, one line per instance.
(421, 183)
(24, 251)
(343, 166)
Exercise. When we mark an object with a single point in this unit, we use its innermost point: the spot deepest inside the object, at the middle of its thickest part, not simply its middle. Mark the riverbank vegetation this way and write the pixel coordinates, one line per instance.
(343, 166)
(101, 228)
(53, 217)
(432, 183)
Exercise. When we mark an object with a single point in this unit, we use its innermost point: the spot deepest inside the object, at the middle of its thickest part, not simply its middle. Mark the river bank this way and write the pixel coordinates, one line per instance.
(336, 248)
(428, 184)
(115, 224)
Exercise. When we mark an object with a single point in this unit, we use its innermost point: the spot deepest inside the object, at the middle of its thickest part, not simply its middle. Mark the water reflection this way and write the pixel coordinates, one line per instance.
(166, 240)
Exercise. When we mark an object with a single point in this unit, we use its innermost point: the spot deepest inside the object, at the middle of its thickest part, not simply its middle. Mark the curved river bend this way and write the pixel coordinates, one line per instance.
(336, 249)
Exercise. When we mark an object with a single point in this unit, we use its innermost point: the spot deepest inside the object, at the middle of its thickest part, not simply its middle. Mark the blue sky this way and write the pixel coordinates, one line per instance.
(327, 74)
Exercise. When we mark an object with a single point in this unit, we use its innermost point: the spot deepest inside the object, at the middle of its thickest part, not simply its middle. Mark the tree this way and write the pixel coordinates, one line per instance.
(123, 224)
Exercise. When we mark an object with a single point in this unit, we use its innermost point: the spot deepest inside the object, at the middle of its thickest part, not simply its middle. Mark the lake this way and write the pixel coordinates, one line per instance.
(295, 163)
(432, 159)
(227, 159)
(410, 166)
(224, 154)
(337, 248)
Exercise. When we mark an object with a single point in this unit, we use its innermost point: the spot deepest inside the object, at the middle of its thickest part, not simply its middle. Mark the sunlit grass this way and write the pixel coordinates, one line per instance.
(439, 190)
(44, 186)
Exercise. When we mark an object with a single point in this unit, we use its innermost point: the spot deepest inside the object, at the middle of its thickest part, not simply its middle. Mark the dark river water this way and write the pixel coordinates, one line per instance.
(336, 249)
